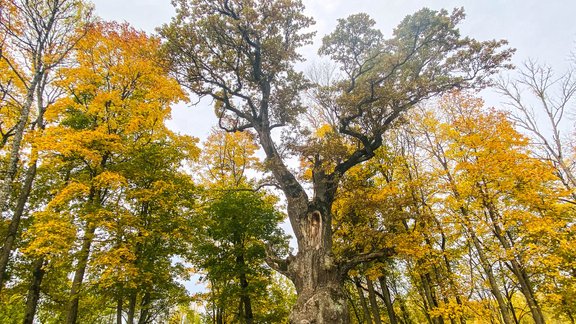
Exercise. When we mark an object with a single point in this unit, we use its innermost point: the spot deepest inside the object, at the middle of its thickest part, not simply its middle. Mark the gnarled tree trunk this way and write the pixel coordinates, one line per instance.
(318, 279)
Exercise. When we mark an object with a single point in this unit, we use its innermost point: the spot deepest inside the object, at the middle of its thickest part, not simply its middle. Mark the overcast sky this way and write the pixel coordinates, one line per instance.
(540, 30)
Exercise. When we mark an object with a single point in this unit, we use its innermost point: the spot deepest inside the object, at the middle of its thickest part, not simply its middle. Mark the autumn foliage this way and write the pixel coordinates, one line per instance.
(410, 200)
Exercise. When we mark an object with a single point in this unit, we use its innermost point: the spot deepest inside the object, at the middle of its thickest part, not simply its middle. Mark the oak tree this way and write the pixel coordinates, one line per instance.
(241, 53)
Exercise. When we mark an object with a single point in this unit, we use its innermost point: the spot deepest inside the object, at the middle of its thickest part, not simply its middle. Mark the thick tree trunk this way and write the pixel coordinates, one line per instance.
(79, 273)
(388, 300)
(318, 279)
(15, 222)
(34, 291)
(319, 285)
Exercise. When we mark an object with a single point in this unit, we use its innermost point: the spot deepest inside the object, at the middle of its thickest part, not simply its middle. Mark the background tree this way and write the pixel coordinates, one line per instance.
(232, 231)
(118, 97)
(230, 248)
(544, 113)
(37, 37)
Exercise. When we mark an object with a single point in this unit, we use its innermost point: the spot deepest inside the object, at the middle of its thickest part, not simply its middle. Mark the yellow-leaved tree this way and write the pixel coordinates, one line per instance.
(121, 168)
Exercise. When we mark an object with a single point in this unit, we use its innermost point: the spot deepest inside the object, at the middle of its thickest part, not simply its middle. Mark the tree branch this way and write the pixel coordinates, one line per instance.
(348, 265)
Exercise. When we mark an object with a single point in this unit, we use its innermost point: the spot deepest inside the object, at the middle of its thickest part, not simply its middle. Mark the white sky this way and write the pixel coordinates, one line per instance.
(540, 30)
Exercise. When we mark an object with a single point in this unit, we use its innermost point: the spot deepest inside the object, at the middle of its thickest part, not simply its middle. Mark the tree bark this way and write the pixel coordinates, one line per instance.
(245, 302)
(365, 309)
(430, 297)
(72, 315)
(131, 308)
(388, 300)
(319, 285)
(405, 314)
(491, 279)
(517, 269)
(373, 302)
(119, 305)
(318, 279)
(12, 168)
(484, 262)
(34, 291)
(15, 222)
(354, 308)
(219, 316)
(145, 308)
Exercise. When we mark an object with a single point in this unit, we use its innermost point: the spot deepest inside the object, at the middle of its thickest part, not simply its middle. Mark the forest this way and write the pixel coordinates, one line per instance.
(409, 199)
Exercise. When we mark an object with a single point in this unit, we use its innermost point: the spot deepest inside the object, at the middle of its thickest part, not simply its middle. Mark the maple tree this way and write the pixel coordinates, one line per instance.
(37, 37)
(428, 192)
(232, 232)
(118, 99)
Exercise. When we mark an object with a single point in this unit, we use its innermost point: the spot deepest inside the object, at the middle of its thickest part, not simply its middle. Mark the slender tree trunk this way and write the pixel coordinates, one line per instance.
(430, 296)
(119, 304)
(477, 245)
(404, 309)
(518, 270)
(131, 308)
(359, 319)
(245, 309)
(421, 292)
(219, 316)
(452, 283)
(39, 83)
(570, 317)
(373, 301)
(509, 295)
(145, 308)
(367, 317)
(34, 291)
(527, 291)
(439, 279)
(79, 273)
(388, 300)
(491, 279)
(12, 168)
(15, 222)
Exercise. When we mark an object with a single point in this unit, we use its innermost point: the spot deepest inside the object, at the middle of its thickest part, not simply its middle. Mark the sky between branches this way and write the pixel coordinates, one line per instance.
(540, 30)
